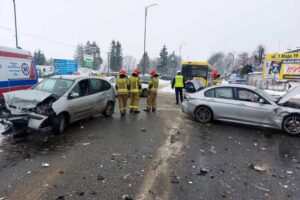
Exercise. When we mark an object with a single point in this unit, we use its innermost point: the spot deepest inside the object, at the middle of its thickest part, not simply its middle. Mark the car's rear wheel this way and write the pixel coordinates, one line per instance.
(109, 109)
(144, 93)
(203, 114)
(59, 124)
(291, 125)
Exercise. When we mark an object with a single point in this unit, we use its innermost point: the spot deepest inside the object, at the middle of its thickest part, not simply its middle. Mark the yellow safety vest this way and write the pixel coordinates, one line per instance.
(153, 85)
(122, 86)
(134, 84)
(179, 81)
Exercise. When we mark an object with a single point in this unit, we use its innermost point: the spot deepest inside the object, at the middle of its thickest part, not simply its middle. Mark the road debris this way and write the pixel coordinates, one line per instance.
(80, 193)
(1, 150)
(2, 198)
(45, 164)
(289, 172)
(261, 188)
(86, 143)
(46, 185)
(126, 176)
(28, 172)
(126, 197)
(212, 149)
(100, 178)
(174, 179)
(203, 172)
(61, 197)
(82, 127)
(172, 140)
(259, 168)
(143, 129)
(190, 182)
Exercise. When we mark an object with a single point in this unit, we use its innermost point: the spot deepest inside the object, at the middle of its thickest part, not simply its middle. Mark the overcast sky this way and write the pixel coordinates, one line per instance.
(203, 26)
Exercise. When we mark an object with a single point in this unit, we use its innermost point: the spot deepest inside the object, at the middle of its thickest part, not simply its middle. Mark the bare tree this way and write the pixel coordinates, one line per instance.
(129, 63)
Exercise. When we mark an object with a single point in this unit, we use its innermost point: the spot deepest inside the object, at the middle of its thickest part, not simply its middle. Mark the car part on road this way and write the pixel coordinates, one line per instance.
(203, 114)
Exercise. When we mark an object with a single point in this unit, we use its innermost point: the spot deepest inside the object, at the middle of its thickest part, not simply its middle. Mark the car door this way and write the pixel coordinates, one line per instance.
(80, 100)
(222, 102)
(253, 108)
(99, 95)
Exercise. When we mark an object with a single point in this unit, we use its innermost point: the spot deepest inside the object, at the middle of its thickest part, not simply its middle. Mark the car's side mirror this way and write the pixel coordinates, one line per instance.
(261, 101)
(74, 95)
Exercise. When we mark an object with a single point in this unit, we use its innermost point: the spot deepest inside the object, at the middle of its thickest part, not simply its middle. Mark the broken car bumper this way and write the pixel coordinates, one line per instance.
(36, 120)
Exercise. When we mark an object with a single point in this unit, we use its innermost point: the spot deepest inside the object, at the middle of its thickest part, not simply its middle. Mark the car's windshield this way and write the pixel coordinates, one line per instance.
(54, 86)
(265, 95)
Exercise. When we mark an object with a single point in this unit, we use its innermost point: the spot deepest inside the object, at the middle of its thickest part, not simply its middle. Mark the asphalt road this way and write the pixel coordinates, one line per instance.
(162, 155)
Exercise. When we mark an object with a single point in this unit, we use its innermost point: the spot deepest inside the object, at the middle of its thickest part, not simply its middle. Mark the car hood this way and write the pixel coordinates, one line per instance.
(25, 98)
(289, 95)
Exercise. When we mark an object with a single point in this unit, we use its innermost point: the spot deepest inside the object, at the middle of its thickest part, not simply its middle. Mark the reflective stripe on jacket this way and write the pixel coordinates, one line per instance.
(179, 81)
(122, 85)
(153, 85)
(135, 84)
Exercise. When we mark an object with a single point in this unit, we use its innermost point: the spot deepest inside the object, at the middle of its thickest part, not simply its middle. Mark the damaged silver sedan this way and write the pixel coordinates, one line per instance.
(247, 105)
(59, 100)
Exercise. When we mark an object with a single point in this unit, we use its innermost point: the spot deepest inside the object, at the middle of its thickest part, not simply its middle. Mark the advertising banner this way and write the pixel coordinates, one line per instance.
(88, 60)
(63, 67)
(282, 66)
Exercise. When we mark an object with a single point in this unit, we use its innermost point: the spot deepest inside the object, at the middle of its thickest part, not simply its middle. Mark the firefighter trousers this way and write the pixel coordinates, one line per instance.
(122, 98)
(134, 101)
(151, 101)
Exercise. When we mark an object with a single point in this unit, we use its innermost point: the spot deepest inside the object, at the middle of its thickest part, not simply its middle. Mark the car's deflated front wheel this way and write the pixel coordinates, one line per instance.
(291, 125)
(109, 109)
(203, 114)
(59, 124)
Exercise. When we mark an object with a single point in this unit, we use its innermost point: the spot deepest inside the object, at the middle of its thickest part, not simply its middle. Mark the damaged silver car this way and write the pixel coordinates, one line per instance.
(247, 105)
(57, 101)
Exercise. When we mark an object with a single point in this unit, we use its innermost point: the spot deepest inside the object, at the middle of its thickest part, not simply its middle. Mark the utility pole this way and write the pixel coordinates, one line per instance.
(145, 31)
(179, 58)
(16, 31)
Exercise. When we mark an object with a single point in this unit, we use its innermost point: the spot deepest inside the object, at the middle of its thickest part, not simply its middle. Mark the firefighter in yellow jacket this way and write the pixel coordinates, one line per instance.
(122, 86)
(135, 88)
(153, 86)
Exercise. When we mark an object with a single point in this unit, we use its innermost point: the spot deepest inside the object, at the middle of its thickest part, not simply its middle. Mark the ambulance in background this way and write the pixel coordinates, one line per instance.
(17, 70)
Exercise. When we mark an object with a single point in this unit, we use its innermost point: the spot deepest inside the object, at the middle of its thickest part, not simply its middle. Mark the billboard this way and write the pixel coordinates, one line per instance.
(282, 66)
(88, 60)
(63, 67)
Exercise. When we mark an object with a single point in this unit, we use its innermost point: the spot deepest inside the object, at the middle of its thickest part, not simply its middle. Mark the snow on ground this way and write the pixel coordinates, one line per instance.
(165, 86)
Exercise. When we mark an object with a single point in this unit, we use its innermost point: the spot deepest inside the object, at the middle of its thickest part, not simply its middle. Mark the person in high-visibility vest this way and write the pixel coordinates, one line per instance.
(153, 86)
(135, 89)
(178, 83)
(122, 85)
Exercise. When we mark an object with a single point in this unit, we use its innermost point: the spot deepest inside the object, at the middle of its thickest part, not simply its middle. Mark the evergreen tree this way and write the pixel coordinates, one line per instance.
(163, 61)
(119, 56)
(39, 57)
(112, 55)
(146, 63)
(79, 53)
(115, 56)
(172, 66)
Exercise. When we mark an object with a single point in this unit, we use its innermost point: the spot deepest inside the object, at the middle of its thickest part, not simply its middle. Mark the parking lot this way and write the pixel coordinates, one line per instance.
(162, 155)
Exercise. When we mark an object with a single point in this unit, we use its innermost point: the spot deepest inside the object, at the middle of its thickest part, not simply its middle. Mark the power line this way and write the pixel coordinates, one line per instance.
(38, 37)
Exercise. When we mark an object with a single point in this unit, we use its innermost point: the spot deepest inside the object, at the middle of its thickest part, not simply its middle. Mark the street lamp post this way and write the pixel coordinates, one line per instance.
(179, 58)
(17, 46)
(145, 30)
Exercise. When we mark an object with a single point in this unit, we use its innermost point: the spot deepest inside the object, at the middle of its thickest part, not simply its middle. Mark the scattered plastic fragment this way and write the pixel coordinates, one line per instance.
(86, 143)
(259, 168)
(45, 164)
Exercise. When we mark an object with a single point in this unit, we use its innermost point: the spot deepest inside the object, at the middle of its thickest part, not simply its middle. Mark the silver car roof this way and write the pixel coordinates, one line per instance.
(234, 85)
(73, 77)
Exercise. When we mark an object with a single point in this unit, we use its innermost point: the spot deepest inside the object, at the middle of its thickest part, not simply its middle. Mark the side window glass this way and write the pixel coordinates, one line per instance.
(246, 95)
(224, 93)
(82, 88)
(96, 85)
(105, 85)
(210, 93)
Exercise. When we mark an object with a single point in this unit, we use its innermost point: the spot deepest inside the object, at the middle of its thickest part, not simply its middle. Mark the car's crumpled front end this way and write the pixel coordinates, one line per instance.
(29, 107)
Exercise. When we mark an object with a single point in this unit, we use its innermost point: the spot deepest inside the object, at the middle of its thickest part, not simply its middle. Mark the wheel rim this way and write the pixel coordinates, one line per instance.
(109, 108)
(203, 114)
(292, 125)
